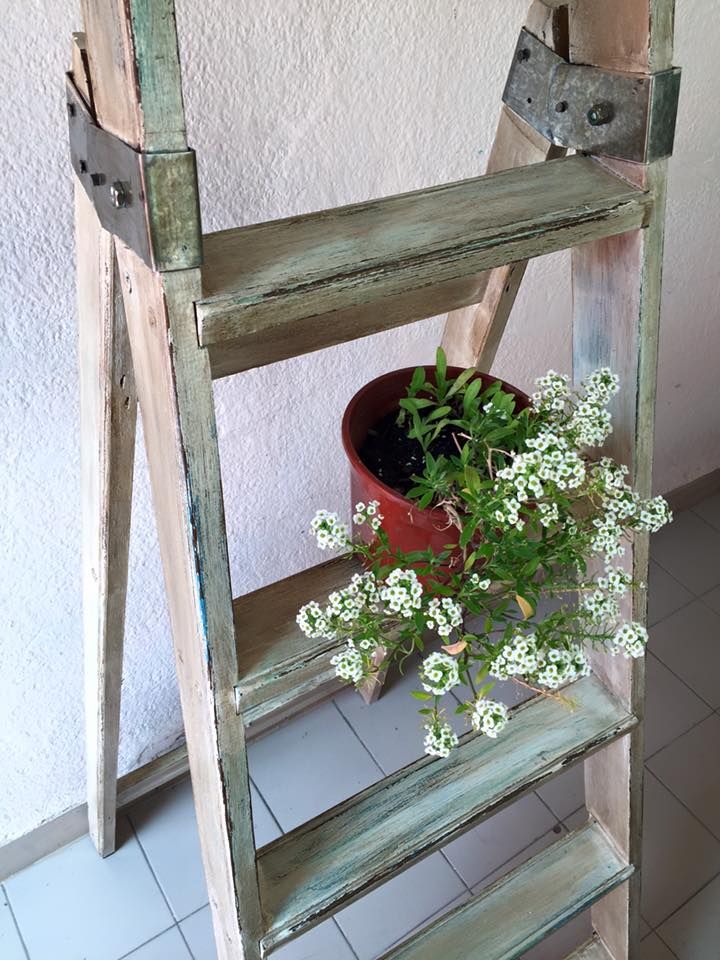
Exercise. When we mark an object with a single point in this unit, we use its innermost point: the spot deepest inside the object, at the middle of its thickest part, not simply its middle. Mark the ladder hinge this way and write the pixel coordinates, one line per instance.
(148, 200)
(630, 116)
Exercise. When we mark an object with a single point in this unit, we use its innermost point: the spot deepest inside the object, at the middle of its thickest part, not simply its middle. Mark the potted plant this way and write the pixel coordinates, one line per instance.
(472, 504)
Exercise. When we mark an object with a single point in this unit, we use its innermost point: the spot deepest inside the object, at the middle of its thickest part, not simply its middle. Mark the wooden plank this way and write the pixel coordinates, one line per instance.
(347, 851)
(616, 294)
(132, 49)
(285, 288)
(108, 413)
(521, 909)
(473, 333)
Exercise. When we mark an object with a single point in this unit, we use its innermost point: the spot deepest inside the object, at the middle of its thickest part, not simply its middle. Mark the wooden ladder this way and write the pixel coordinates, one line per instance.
(153, 319)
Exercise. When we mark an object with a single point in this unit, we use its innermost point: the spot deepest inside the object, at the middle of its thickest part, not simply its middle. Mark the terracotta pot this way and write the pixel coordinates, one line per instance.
(407, 527)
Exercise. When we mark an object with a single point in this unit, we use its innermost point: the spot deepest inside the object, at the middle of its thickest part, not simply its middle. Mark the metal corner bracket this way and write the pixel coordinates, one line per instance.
(628, 116)
(148, 200)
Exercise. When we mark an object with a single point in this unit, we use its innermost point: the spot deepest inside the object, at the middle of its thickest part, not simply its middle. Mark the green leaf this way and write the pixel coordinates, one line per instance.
(441, 365)
(421, 695)
(418, 379)
(426, 711)
(470, 395)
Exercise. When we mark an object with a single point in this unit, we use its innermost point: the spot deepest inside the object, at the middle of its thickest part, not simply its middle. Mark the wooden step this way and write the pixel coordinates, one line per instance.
(521, 909)
(278, 664)
(314, 870)
(280, 289)
(592, 950)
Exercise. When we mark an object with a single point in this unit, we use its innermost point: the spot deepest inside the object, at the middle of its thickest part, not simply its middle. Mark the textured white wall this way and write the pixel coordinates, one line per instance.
(292, 105)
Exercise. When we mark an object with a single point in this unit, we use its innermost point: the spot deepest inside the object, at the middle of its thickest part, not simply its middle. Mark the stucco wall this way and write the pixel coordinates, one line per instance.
(292, 105)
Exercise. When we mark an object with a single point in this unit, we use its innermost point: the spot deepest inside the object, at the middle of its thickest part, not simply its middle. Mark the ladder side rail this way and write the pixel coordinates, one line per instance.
(135, 74)
(616, 309)
(472, 334)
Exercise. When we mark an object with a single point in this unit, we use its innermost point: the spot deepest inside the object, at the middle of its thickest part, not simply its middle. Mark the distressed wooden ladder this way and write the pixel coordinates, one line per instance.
(163, 324)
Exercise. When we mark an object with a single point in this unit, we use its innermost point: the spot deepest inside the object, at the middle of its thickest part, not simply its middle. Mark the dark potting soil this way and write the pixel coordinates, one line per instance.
(394, 457)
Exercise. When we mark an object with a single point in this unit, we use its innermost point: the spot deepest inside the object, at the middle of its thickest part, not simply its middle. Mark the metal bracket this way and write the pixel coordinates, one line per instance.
(625, 115)
(148, 200)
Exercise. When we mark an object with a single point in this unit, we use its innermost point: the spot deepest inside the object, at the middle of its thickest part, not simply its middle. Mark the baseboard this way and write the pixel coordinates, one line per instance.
(69, 826)
(693, 493)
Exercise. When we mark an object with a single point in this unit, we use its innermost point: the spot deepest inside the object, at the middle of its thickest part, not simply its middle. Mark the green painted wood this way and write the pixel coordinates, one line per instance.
(592, 950)
(281, 289)
(521, 909)
(278, 665)
(314, 870)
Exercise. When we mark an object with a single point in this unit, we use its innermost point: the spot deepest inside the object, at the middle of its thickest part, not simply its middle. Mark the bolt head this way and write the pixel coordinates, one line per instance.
(119, 194)
(98, 179)
(523, 55)
(561, 106)
(600, 113)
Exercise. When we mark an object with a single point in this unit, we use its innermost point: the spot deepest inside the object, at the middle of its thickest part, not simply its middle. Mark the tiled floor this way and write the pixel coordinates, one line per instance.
(148, 901)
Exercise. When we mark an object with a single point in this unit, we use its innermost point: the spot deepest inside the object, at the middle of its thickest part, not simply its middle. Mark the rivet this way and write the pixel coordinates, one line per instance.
(119, 194)
(561, 107)
(600, 113)
(523, 54)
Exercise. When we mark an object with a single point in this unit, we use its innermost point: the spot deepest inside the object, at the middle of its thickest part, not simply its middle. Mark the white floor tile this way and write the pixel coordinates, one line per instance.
(689, 550)
(168, 946)
(709, 510)
(665, 594)
(11, 947)
(679, 855)
(198, 932)
(391, 728)
(484, 848)
(448, 908)
(563, 941)
(687, 643)
(645, 928)
(712, 599)
(671, 708)
(76, 905)
(565, 793)
(389, 913)
(694, 931)
(652, 948)
(537, 846)
(689, 768)
(310, 764)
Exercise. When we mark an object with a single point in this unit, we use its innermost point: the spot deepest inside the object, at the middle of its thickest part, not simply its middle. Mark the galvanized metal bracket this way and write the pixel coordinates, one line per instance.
(625, 115)
(148, 200)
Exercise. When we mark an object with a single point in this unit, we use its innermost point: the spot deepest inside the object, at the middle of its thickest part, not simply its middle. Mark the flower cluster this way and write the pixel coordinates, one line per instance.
(523, 657)
(349, 664)
(552, 393)
(443, 615)
(559, 666)
(550, 460)
(489, 717)
(630, 640)
(330, 532)
(402, 592)
(440, 738)
(601, 607)
(368, 513)
(439, 673)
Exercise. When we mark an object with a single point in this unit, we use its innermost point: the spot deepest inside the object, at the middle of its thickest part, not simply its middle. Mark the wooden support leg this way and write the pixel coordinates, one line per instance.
(108, 414)
(175, 392)
(472, 334)
(616, 303)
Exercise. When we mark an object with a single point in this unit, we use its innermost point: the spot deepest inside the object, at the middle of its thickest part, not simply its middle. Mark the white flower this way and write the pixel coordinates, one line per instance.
(630, 640)
(552, 392)
(402, 592)
(654, 514)
(479, 584)
(602, 608)
(607, 537)
(369, 514)
(591, 424)
(313, 622)
(349, 664)
(549, 513)
(600, 386)
(443, 615)
(560, 665)
(517, 658)
(489, 717)
(440, 738)
(439, 673)
(330, 532)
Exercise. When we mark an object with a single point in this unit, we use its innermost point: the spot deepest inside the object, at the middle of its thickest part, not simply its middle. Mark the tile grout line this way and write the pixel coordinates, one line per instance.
(677, 676)
(267, 807)
(674, 740)
(152, 871)
(340, 930)
(5, 893)
(129, 956)
(359, 739)
(697, 893)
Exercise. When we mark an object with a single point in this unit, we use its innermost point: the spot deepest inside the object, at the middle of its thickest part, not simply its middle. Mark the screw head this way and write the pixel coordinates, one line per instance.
(600, 113)
(119, 194)
(523, 55)
(561, 107)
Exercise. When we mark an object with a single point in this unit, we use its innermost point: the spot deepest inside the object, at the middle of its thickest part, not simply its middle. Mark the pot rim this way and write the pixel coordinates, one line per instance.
(353, 455)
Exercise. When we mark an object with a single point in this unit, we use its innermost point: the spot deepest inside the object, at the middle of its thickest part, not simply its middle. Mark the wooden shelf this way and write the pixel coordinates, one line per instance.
(521, 909)
(314, 870)
(280, 289)
(279, 666)
(592, 950)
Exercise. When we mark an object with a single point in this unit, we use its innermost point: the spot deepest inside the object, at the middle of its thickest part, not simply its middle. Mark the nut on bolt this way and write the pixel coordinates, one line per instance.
(600, 113)
(119, 194)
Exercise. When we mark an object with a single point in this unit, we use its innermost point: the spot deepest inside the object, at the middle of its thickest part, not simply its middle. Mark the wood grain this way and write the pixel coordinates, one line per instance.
(108, 408)
(616, 306)
(472, 335)
(517, 912)
(285, 288)
(313, 870)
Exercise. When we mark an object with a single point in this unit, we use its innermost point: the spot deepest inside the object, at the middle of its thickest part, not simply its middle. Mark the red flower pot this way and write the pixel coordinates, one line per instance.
(407, 528)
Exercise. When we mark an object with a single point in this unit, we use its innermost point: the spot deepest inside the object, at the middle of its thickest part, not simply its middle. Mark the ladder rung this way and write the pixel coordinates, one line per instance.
(316, 869)
(278, 664)
(281, 289)
(592, 950)
(521, 909)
